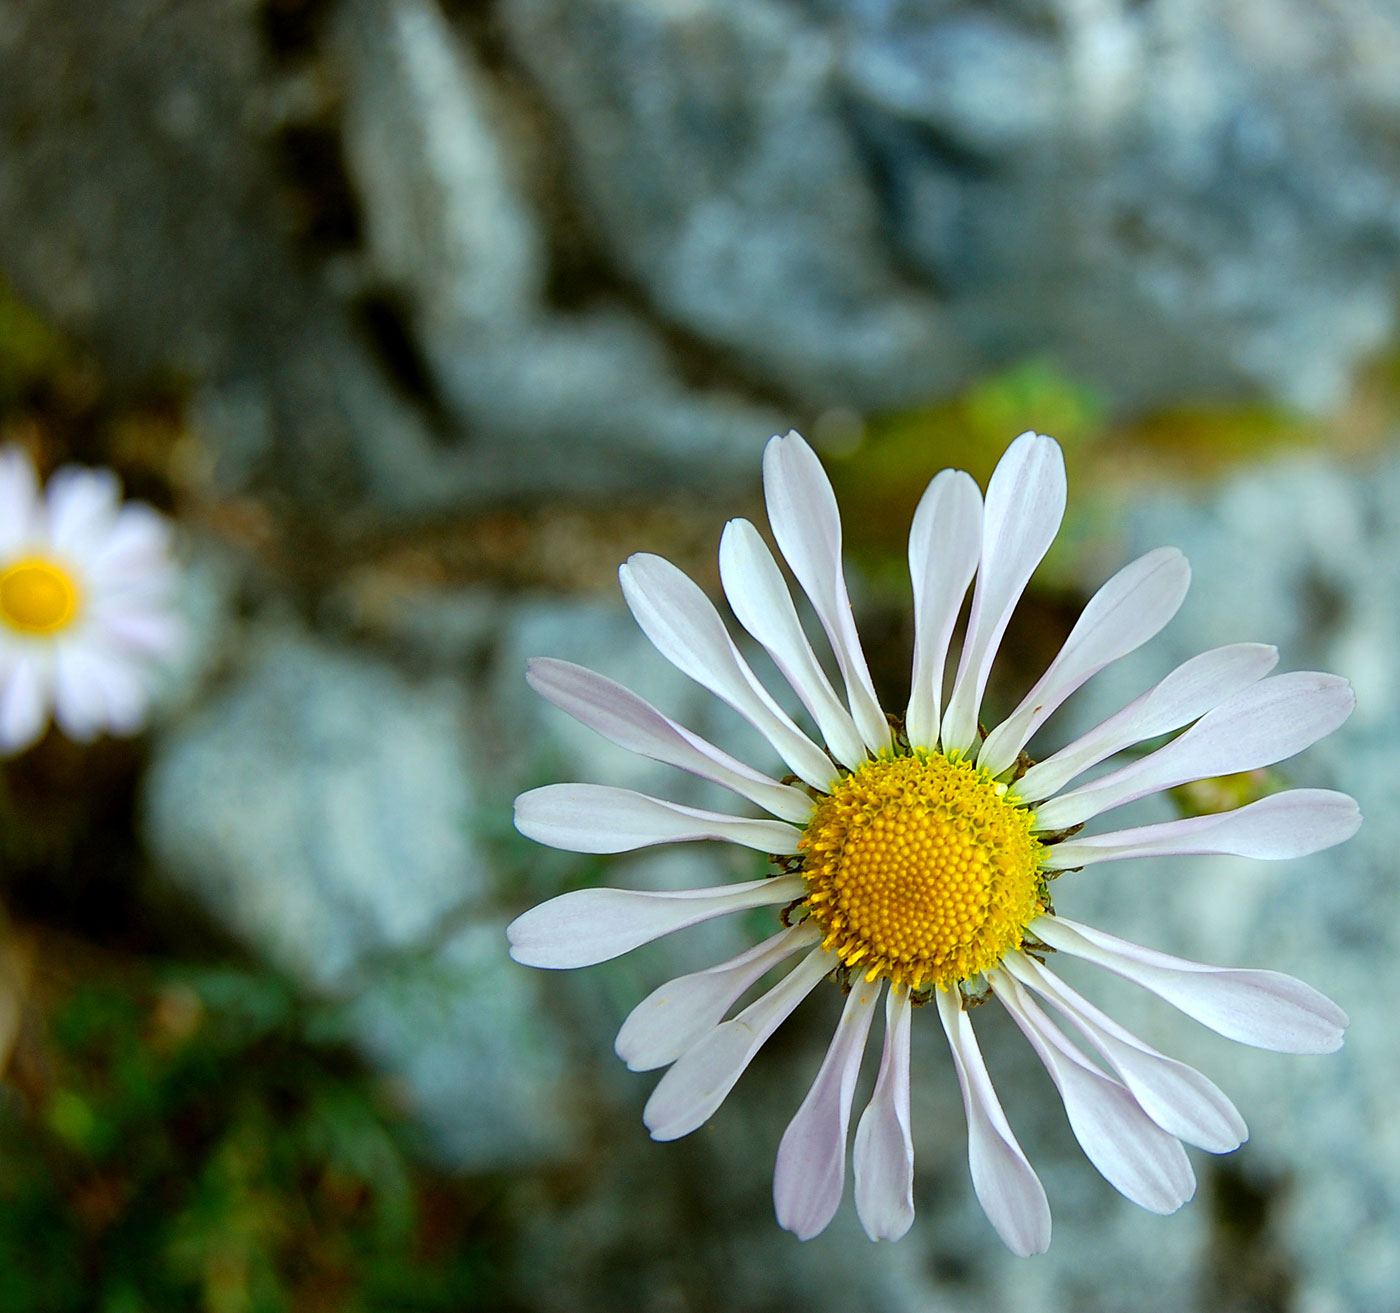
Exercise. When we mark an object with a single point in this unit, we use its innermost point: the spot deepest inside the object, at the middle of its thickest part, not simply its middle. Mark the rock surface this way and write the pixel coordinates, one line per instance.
(1122, 183)
(322, 810)
(321, 807)
(454, 242)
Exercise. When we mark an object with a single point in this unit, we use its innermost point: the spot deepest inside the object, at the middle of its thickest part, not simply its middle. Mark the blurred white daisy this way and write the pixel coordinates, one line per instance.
(86, 604)
(915, 854)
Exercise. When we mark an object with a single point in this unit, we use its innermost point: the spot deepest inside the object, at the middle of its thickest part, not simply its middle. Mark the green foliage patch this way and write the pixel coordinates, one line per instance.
(182, 1143)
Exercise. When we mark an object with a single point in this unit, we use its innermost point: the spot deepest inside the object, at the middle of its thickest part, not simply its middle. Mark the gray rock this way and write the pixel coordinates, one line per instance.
(710, 142)
(766, 208)
(1125, 184)
(370, 356)
(320, 808)
(1116, 185)
(446, 222)
(449, 227)
(323, 809)
(470, 1037)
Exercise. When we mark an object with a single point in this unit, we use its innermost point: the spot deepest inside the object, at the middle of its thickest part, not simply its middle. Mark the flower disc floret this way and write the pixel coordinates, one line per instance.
(919, 869)
(37, 596)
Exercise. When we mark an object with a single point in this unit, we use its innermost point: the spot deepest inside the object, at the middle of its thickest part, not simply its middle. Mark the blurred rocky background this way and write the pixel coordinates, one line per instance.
(421, 315)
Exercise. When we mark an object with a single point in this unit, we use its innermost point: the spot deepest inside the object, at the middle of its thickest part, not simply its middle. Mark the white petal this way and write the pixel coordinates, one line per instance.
(670, 1019)
(140, 629)
(1268, 722)
(82, 508)
(1178, 1098)
(24, 704)
(687, 630)
(761, 601)
(631, 722)
(19, 498)
(598, 818)
(138, 545)
(1193, 688)
(586, 926)
(1129, 609)
(883, 1157)
(688, 1094)
(1294, 823)
(1025, 504)
(1006, 1184)
(945, 542)
(1264, 1008)
(126, 694)
(806, 523)
(79, 708)
(1134, 1155)
(811, 1169)
(96, 690)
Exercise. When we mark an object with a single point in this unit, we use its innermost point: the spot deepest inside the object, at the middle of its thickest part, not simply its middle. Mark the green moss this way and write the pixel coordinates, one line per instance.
(1226, 792)
(1201, 441)
(29, 350)
(880, 482)
(190, 1148)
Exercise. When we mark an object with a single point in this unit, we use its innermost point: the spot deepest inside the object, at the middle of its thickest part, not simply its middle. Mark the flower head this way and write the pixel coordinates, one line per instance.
(86, 588)
(915, 855)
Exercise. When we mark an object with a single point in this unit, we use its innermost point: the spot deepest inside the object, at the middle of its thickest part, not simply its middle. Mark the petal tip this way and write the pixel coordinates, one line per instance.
(1029, 1246)
(894, 1227)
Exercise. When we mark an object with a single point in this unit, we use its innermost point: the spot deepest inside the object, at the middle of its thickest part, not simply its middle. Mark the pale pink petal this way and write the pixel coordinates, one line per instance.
(1006, 1184)
(688, 1094)
(622, 717)
(139, 543)
(687, 630)
(98, 689)
(598, 818)
(24, 703)
(1264, 1008)
(19, 499)
(1025, 504)
(1294, 823)
(670, 1019)
(811, 1169)
(586, 926)
(153, 588)
(82, 508)
(1268, 722)
(945, 542)
(1133, 1154)
(141, 630)
(883, 1158)
(1193, 688)
(1129, 609)
(79, 706)
(806, 523)
(1178, 1098)
(760, 599)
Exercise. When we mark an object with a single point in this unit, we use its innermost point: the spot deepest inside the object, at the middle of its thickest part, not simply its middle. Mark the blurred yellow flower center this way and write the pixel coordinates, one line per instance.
(37, 596)
(919, 869)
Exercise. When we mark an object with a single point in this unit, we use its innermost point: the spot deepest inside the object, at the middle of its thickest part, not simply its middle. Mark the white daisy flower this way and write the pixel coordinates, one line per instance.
(915, 855)
(86, 598)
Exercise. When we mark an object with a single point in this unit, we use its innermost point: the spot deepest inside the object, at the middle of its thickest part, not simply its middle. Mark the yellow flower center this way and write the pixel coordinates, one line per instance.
(919, 869)
(37, 596)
